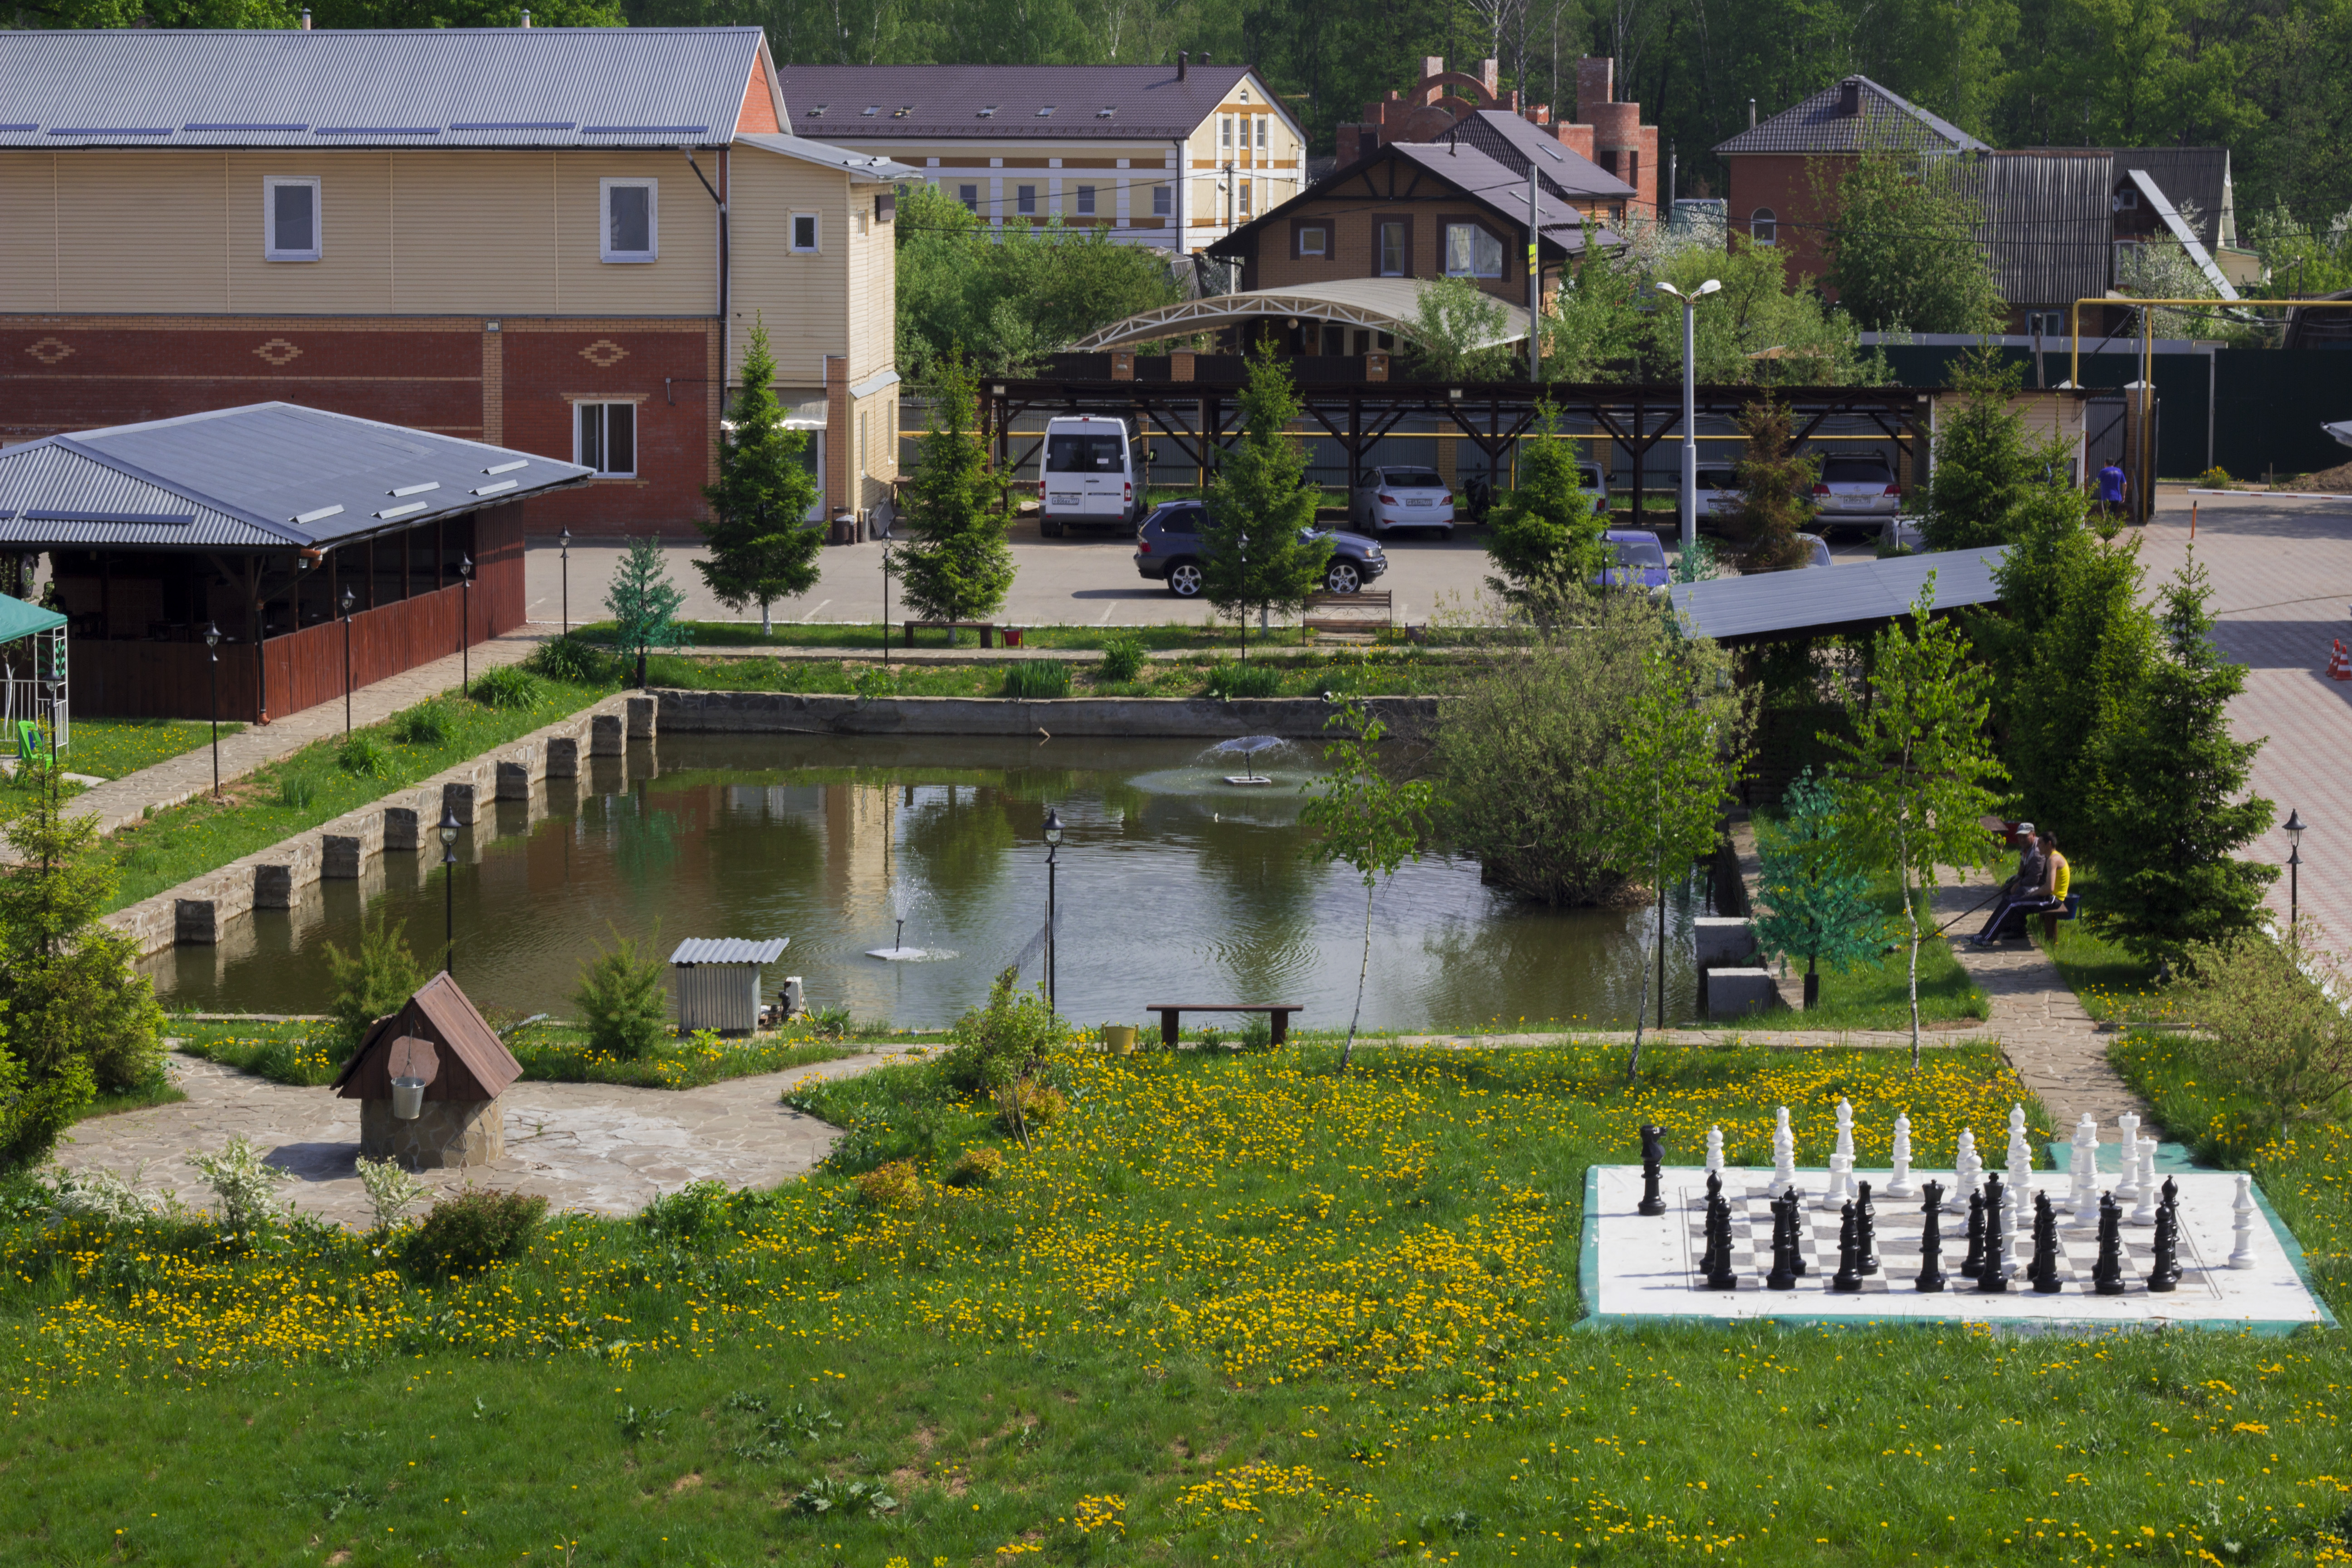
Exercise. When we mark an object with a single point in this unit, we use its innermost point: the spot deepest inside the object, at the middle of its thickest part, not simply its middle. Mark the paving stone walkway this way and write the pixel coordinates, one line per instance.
(590, 1147)
(189, 774)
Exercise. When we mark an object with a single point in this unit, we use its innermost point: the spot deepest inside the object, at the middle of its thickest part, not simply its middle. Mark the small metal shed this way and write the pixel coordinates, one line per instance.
(718, 982)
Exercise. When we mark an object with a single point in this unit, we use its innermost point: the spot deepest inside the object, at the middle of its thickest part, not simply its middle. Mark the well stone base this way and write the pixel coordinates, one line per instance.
(446, 1134)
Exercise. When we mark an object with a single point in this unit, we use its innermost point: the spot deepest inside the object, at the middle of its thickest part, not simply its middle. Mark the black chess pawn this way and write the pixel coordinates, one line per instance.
(1973, 1266)
(2107, 1273)
(1722, 1275)
(2164, 1273)
(2043, 1269)
(1992, 1280)
(1797, 1233)
(1713, 1186)
(1865, 1232)
(1848, 1277)
(1931, 1243)
(1784, 1245)
(1653, 1154)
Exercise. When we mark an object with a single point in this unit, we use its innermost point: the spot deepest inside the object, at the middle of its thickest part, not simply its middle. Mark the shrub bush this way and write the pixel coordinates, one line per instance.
(621, 1000)
(1046, 677)
(1122, 659)
(896, 1186)
(977, 1168)
(246, 1187)
(1228, 678)
(568, 658)
(1035, 1105)
(371, 982)
(297, 790)
(364, 755)
(427, 724)
(509, 686)
(472, 1229)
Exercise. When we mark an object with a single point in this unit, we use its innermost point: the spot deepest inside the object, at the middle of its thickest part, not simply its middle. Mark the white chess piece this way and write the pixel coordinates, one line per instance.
(2145, 1154)
(2017, 1120)
(2086, 1171)
(2017, 1203)
(1784, 1156)
(1715, 1150)
(1841, 1178)
(2004, 1256)
(2242, 1223)
(1966, 1170)
(1845, 1131)
(2128, 1184)
(1899, 1185)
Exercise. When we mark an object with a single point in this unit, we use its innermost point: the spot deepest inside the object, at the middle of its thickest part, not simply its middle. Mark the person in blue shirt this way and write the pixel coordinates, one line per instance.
(2108, 492)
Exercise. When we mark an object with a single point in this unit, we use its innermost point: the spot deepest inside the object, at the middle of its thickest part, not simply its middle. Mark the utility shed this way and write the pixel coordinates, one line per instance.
(446, 1041)
(718, 982)
(1828, 601)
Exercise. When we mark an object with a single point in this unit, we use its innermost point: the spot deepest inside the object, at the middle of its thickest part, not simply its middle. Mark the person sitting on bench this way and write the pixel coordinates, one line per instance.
(2047, 892)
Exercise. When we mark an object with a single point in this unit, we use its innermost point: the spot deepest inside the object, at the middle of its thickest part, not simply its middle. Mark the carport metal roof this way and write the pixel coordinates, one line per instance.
(1830, 601)
(1382, 304)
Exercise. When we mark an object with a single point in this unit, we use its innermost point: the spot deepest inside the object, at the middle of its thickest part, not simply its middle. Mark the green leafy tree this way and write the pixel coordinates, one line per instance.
(1992, 477)
(1911, 784)
(1455, 333)
(1362, 816)
(1776, 488)
(378, 979)
(1816, 906)
(1546, 530)
(2275, 1012)
(643, 603)
(1257, 553)
(2169, 871)
(957, 566)
(1659, 794)
(761, 547)
(1903, 246)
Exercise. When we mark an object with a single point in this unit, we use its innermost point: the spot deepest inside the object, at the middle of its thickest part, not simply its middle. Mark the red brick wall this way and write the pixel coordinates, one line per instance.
(1784, 181)
(448, 375)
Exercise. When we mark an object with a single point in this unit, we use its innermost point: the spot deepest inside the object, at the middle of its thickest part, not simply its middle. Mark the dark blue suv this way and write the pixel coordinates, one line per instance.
(1175, 536)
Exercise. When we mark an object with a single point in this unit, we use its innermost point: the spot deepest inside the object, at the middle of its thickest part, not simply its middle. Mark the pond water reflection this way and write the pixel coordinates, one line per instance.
(1172, 886)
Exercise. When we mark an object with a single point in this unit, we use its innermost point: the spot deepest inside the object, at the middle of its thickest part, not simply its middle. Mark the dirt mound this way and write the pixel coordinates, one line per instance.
(2337, 478)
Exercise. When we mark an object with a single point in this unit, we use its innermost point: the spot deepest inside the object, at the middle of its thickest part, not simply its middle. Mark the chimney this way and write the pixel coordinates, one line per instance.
(526, 18)
(1849, 97)
(1183, 64)
(1204, 59)
(306, 18)
(1751, 114)
(1490, 77)
(1595, 84)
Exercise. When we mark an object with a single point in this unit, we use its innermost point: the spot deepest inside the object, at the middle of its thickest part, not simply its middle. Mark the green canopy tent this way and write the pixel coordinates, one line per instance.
(32, 675)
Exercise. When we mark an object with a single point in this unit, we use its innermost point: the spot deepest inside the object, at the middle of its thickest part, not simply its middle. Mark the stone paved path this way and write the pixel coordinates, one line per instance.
(591, 1147)
(190, 774)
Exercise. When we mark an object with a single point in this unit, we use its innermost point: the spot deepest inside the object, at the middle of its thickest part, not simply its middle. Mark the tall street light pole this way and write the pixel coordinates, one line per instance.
(1690, 404)
(2293, 826)
(1053, 842)
(349, 600)
(1535, 280)
(212, 651)
(464, 622)
(564, 539)
(448, 830)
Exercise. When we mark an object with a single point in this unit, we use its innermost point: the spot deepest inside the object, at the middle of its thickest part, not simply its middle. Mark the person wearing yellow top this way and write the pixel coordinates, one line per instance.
(2062, 876)
(2047, 896)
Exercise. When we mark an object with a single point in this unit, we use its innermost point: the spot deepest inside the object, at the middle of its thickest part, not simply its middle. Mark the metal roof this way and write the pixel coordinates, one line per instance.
(270, 476)
(1516, 143)
(1383, 304)
(932, 103)
(1821, 601)
(434, 87)
(857, 165)
(728, 950)
(2197, 175)
(1887, 120)
(2046, 228)
(2152, 194)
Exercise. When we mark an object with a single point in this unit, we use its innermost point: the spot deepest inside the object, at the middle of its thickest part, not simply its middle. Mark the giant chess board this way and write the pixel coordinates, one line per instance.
(1638, 1267)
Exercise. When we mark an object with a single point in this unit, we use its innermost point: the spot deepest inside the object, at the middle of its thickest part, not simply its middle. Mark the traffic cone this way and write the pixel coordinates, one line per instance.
(2339, 664)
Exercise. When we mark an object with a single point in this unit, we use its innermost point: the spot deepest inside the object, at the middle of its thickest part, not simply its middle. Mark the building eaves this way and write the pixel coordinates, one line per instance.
(1477, 177)
(936, 102)
(1887, 121)
(857, 165)
(1516, 143)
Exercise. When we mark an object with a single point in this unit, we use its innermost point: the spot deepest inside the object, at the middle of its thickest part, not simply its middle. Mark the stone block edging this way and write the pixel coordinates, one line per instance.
(1185, 718)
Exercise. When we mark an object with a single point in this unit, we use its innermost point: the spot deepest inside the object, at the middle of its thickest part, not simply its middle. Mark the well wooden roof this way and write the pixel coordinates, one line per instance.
(475, 1063)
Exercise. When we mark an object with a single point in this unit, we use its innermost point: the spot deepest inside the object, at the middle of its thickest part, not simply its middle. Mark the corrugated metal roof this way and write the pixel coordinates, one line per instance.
(857, 165)
(437, 87)
(728, 950)
(2197, 175)
(930, 102)
(1385, 304)
(2046, 224)
(1817, 600)
(268, 475)
(1515, 143)
(1888, 121)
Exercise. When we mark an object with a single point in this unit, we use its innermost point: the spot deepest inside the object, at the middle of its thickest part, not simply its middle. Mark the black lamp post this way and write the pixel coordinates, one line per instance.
(564, 540)
(465, 621)
(1053, 842)
(212, 651)
(2293, 826)
(349, 600)
(448, 830)
(886, 604)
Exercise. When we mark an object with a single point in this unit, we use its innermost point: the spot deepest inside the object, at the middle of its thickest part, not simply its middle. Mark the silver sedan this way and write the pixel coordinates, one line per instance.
(1393, 498)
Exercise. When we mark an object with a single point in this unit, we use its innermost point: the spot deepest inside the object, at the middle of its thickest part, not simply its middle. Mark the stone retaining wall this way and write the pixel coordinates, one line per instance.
(1187, 718)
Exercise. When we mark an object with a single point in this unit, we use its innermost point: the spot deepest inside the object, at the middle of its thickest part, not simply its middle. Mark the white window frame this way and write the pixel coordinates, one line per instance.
(604, 251)
(1025, 201)
(968, 197)
(1477, 233)
(636, 434)
(816, 234)
(1164, 201)
(1263, 122)
(1764, 226)
(269, 251)
(1085, 200)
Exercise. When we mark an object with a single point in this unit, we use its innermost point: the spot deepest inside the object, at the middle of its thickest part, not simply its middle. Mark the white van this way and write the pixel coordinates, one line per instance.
(1089, 474)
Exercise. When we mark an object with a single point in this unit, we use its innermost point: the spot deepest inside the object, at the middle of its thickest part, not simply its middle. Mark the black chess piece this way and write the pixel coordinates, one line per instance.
(1865, 1233)
(1972, 1265)
(2164, 1273)
(2107, 1273)
(1931, 1243)
(1797, 1233)
(1784, 1245)
(1722, 1277)
(2043, 1269)
(1992, 1280)
(1653, 1154)
(1713, 1186)
(1848, 1277)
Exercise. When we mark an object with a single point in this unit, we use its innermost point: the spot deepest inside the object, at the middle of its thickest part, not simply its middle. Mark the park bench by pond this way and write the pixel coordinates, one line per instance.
(1170, 1012)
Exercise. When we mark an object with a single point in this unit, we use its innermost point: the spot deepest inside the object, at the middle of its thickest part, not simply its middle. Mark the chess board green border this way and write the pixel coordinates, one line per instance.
(2169, 1157)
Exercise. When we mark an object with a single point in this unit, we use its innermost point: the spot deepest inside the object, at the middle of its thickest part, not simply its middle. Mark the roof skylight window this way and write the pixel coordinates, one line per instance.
(989, 113)
(1046, 112)
(903, 111)
(1106, 111)
(818, 113)
(873, 108)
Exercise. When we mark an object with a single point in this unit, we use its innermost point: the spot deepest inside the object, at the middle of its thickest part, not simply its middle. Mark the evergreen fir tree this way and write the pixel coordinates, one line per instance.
(2167, 872)
(761, 547)
(643, 602)
(1545, 533)
(957, 567)
(1991, 477)
(1258, 554)
(1817, 908)
(1776, 488)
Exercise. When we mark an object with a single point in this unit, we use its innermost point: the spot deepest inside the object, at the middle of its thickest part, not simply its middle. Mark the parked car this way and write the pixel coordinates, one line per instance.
(1817, 549)
(1088, 476)
(1594, 484)
(1718, 492)
(1174, 537)
(1641, 560)
(1399, 497)
(1860, 488)
(1901, 533)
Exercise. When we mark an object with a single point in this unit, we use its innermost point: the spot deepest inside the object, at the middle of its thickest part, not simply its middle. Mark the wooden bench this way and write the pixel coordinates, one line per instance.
(1171, 1012)
(987, 630)
(1319, 619)
(2051, 918)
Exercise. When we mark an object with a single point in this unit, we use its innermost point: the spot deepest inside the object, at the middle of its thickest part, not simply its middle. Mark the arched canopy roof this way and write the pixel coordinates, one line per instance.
(1382, 304)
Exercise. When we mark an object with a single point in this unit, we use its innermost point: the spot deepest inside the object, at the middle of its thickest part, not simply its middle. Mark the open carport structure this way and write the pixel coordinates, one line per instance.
(1835, 601)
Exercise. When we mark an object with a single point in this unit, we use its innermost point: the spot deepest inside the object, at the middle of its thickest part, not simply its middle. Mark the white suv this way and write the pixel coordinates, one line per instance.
(1861, 488)
(1398, 497)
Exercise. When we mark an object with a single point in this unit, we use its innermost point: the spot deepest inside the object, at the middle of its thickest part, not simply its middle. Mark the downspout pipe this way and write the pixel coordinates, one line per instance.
(726, 262)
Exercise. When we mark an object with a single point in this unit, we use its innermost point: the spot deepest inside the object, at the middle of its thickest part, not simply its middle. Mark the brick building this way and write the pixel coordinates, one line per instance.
(461, 230)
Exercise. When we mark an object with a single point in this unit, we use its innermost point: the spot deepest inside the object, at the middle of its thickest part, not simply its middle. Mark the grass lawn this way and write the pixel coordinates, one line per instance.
(1878, 997)
(2114, 986)
(311, 786)
(114, 748)
(160, 1092)
(1209, 633)
(1231, 1309)
(306, 1053)
(1363, 671)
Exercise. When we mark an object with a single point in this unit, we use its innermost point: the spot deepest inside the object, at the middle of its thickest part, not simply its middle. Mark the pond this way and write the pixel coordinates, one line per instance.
(1171, 885)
